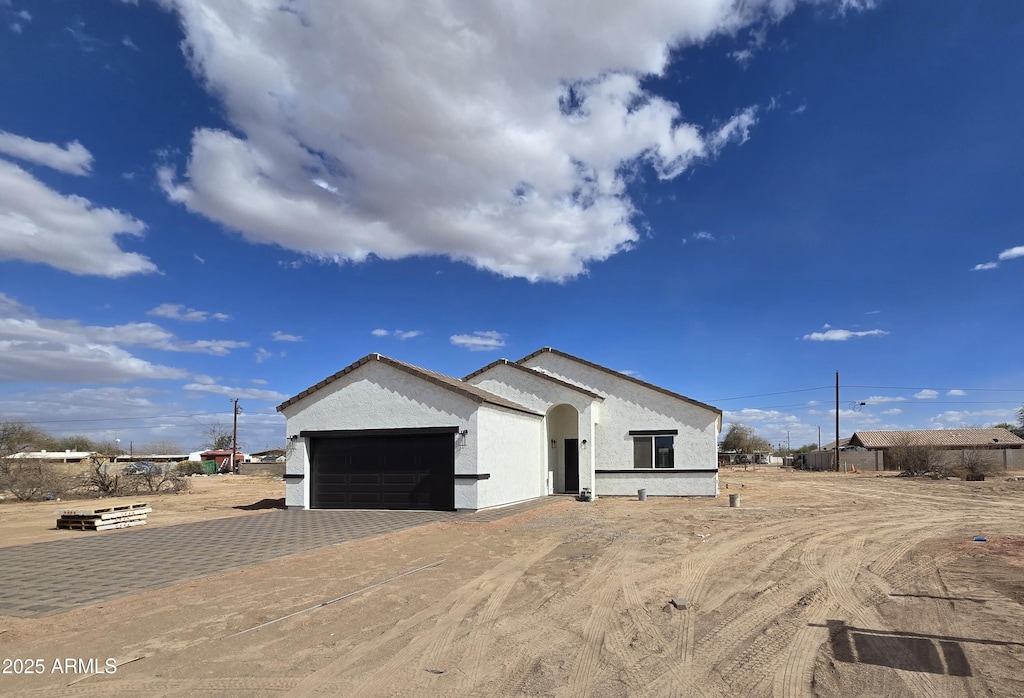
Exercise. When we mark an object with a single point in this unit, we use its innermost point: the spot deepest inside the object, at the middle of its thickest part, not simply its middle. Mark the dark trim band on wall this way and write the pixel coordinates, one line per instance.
(654, 432)
(294, 476)
(356, 433)
(472, 476)
(661, 471)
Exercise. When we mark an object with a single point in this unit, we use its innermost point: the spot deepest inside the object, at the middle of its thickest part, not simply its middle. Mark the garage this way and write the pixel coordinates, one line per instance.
(383, 469)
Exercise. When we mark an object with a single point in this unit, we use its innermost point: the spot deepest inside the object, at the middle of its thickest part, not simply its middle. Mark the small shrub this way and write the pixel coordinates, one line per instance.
(188, 467)
(29, 480)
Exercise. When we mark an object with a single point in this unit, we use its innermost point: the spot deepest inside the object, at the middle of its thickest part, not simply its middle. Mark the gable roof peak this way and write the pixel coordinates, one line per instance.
(618, 374)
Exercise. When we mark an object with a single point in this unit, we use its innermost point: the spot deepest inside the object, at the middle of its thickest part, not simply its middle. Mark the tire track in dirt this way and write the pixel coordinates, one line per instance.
(457, 605)
(737, 624)
(641, 619)
(599, 588)
(479, 639)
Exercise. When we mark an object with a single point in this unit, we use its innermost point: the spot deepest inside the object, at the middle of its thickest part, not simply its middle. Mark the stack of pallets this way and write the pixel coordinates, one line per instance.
(103, 519)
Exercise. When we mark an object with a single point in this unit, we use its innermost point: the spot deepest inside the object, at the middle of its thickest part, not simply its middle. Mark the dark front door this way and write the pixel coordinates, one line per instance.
(384, 472)
(572, 465)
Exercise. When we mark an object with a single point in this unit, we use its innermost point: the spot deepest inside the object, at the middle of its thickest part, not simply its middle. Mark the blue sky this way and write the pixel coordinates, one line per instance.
(200, 204)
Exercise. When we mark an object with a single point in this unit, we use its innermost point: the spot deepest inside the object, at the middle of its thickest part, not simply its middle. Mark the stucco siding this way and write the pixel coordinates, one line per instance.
(533, 392)
(678, 483)
(511, 453)
(628, 406)
(379, 396)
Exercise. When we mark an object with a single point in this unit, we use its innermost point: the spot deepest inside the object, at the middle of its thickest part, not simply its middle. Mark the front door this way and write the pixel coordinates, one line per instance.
(572, 465)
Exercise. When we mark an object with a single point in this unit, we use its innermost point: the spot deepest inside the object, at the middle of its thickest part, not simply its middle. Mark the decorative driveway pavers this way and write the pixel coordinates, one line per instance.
(45, 578)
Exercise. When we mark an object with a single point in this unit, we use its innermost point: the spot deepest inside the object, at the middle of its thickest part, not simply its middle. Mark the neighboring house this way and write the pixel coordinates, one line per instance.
(870, 450)
(55, 456)
(222, 456)
(384, 434)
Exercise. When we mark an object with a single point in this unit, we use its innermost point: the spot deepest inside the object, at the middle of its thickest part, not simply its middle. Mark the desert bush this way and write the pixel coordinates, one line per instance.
(914, 458)
(27, 480)
(155, 480)
(976, 465)
(187, 467)
(104, 483)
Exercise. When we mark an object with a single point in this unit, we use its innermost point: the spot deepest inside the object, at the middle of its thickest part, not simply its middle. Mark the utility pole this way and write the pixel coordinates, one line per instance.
(837, 421)
(234, 437)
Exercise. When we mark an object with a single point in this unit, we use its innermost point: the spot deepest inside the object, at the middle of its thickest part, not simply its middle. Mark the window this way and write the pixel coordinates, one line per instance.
(653, 450)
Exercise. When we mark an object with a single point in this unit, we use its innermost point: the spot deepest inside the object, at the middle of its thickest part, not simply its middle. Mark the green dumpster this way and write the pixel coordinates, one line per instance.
(209, 467)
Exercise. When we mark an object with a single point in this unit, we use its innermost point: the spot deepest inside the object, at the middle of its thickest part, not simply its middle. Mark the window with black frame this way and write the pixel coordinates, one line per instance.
(654, 451)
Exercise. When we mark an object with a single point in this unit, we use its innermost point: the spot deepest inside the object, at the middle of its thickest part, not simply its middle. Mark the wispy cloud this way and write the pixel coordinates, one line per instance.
(283, 337)
(927, 394)
(879, 399)
(72, 158)
(67, 232)
(701, 236)
(479, 341)
(957, 393)
(836, 335)
(174, 311)
(236, 392)
(399, 334)
(1010, 253)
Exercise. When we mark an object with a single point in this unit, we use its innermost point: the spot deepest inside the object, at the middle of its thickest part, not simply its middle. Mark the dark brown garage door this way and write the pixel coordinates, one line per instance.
(386, 469)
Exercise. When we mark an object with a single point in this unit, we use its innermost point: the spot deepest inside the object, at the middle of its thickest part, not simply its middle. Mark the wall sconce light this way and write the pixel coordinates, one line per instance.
(554, 443)
(293, 437)
(583, 444)
(463, 433)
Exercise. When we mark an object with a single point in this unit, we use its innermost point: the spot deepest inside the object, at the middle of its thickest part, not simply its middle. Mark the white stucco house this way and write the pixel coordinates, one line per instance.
(385, 434)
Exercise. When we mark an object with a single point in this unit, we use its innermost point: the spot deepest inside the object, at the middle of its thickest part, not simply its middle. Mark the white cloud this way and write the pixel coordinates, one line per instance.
(879, 399)
(834, 335)
(127, 41)
(702, 236)
(1011, 253)
(400, 334)
(282, 337)
(262, 355)
(235, 392)
(479, 341)
(54, 350)
(957, 393)
(892, 411)
(72, 158)
(180, 312)
(926, 394)
(499, 135)
(42, 226)
(966, 418)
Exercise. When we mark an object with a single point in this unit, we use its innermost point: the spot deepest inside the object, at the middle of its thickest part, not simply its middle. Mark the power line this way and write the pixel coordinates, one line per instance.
(781, 392)
(903, 387)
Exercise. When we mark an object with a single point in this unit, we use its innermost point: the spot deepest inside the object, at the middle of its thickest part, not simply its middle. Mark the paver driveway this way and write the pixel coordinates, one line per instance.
(44, 578)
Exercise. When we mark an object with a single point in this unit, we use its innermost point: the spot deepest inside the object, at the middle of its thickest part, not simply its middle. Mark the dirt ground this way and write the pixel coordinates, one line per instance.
(816, 584)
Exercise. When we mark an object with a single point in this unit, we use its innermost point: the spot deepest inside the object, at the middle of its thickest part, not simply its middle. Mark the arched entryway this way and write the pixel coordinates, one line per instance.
(563, 430)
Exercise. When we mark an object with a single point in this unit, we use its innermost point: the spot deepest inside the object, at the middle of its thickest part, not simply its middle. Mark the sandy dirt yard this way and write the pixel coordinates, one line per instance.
(816, 584)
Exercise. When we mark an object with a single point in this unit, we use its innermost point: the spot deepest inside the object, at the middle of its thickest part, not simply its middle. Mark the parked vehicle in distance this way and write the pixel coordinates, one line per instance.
(142, 467)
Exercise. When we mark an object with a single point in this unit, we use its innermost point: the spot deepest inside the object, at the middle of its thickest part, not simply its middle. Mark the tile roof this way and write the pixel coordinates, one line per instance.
(939, 438)
(478, 395)
(621, 375)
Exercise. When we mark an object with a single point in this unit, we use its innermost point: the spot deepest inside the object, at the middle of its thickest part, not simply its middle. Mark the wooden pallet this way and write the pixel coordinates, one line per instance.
(101, 510)
(107, 516)
(98, 524)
